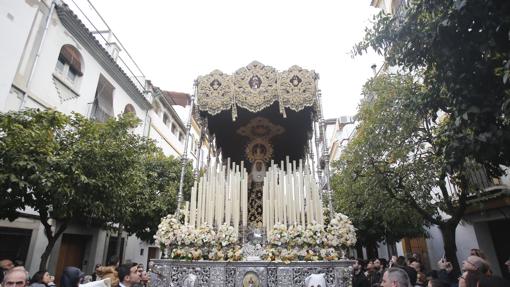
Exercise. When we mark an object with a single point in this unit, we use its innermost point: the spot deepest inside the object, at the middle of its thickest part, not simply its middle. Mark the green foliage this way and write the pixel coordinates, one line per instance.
(75, 170)
(464, 49)
(34, 162)
(159, 196)
(396, 161)
(376, 215)
(386, 162)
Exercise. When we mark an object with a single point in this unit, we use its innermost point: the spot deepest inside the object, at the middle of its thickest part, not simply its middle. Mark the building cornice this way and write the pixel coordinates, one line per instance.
(76, 27)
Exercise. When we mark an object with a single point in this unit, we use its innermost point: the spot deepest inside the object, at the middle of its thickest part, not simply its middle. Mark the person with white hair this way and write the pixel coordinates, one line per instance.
(395, 277)
(15, 277)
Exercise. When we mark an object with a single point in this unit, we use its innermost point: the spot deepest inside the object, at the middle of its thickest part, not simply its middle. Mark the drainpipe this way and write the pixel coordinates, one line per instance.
(147, 121)
(38, 54)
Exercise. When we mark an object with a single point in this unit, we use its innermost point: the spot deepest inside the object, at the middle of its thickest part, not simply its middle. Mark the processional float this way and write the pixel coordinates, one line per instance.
(261, 213)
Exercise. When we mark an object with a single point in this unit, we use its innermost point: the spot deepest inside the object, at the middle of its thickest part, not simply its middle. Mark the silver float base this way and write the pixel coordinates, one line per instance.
(167, 272)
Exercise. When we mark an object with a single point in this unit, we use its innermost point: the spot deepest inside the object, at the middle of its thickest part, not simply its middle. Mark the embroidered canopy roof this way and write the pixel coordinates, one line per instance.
(258, 99)
(256, 87)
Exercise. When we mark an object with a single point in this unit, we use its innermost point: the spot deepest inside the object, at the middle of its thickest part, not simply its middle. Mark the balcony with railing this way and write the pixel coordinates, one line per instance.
(97, 26)
(489, 193)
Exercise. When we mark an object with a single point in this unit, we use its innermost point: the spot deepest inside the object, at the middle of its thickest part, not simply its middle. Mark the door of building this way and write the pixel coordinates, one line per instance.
(14, 244)
(72, 252)
(417, 247)
(153, 253)
(500, 232)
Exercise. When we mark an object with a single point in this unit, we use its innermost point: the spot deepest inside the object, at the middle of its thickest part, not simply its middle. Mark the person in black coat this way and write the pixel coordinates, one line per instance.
(71, 277)
(358, 278)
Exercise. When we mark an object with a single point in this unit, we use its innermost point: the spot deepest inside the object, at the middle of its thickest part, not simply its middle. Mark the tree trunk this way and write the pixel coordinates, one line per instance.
(371, 250)
(46, 254)
(450, 245)
(119, 242)
(52, 239)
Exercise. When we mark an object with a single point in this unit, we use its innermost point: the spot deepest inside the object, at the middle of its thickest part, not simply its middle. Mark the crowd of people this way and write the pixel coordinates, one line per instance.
(397, 272)
(113, 275)
(410, 272)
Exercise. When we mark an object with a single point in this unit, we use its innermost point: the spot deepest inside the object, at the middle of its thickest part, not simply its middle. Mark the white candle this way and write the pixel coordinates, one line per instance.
(309, 213)
(202, 201)
(237, 196)
(210, 196)
(276, 200)
(281, 193)
(301, 194)
(245, 196)
(186, 214)
(264, 197)
(199, 203)
(192, 212)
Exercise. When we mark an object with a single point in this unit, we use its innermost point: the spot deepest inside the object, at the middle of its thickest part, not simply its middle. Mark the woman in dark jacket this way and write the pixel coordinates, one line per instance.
(40, 279)
(71, 277)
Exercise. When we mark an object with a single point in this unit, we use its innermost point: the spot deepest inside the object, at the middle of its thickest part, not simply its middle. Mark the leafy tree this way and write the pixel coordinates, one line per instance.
(158, 198)
(461, 50)
(377, 216)
(464, 49)
(115, 158)
(71, 169)
(39, 170)
(398, 148)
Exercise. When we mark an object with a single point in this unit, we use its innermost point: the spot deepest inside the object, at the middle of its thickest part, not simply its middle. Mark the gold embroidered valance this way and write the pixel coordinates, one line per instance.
(256, 87)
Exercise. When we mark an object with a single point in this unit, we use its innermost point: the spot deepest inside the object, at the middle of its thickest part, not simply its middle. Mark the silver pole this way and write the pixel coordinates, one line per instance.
(184, 158)
(199, 153)
(325, 153)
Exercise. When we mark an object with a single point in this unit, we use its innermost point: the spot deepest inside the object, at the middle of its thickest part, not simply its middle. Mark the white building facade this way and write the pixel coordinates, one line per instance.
(50, 59)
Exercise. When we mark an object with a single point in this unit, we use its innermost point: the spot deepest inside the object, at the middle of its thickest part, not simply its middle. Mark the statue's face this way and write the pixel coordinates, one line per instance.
(258, 166)
(315, 280)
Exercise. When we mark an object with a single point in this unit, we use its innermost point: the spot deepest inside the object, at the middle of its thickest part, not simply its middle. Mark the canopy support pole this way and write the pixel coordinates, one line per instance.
(323, 156)
(184, 158)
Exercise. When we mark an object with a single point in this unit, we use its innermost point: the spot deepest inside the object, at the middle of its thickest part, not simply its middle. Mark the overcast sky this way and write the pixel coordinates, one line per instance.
(173, 42)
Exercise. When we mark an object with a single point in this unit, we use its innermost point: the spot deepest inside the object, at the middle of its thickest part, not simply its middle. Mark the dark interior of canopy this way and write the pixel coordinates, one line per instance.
(293, 142)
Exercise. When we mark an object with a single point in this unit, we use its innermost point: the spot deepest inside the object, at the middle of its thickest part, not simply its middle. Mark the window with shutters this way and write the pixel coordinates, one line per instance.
(69, 65)
(102, 108)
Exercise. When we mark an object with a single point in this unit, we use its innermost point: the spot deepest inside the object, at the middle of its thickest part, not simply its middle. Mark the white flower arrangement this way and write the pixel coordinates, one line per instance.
(328, 254)
(226, 235)
(235, 253)
(314, 234)
(278, 235)
(311, 243)
(168, 231)
(216, 254)
(340, 232)
(186, 235)
(296, 242)
(295, 234)
(204, 236)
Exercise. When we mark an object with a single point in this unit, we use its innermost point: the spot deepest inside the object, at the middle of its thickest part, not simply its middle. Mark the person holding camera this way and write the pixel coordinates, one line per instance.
(446, 273)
